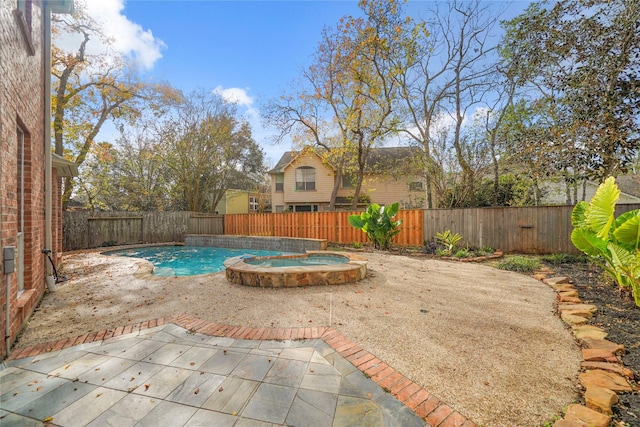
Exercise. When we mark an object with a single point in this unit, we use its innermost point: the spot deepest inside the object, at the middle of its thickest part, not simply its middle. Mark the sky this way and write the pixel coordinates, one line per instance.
(247, 51)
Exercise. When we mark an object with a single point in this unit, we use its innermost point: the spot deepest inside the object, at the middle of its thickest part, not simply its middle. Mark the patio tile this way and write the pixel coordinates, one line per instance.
(51, 364)
(303, 354)
(48, 403)
(356, 384)
(141, 350)
(395, 413)
(167, 353)
(15, 420)
(88, 407)
(196, 389)
(351, 411)
(134, 376)
(232, 395)
(321, 377)
(164, 382)
(220, 341)
(204, 418)
(193, 358)
(106, 371)
(245, 344)
(167, 414)
(14, 377)
(341, 364)
(286, 372)
(253, 367)
(222, 362)
(126, 412)
(79, 366)
(248, 422)
(117, 347)
(312, 408)
(25, 393)
(270, 403)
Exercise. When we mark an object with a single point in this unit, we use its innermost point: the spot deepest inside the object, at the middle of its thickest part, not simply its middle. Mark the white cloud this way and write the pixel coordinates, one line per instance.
(235, 95)
(127, 38)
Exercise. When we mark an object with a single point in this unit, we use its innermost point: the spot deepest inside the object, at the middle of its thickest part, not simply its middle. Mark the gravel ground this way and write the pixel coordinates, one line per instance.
(485, 341)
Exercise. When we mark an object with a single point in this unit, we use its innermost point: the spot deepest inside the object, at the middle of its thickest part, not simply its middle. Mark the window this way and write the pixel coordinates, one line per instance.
(279, 208)
(305, 178)
(304, 208)
(280, 182)
(20, 196)
(347, 181)
(416, 186)
(253, 203)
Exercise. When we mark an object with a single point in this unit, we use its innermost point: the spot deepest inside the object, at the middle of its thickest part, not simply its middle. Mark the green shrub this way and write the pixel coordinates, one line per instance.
(377, 222)
(448, 240)
(519, 263)
(463, 253)
(560, 258)
(613, 243)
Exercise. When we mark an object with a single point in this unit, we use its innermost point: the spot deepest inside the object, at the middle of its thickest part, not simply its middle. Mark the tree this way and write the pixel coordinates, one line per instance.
(89, 90)
(345, 102)
(209, 149)
(444, 69)
(582, 59)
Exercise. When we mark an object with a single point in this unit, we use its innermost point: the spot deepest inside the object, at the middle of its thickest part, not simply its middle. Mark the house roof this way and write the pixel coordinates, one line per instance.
(380, 158)
(64, 167)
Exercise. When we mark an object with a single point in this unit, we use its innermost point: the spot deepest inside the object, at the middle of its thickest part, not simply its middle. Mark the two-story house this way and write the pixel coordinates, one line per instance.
(302, 181)
(30, 208)
(242, 202)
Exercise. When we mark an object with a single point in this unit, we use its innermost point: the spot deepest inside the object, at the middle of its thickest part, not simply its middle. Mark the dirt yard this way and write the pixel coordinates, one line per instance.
(485, 341)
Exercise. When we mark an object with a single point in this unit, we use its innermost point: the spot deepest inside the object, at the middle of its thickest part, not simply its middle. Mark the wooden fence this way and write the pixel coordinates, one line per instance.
(535, 229)
(541, 229)
(331, 226)
(87, 229)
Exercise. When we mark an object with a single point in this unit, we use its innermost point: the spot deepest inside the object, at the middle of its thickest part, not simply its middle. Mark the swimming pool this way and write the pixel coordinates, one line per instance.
(187, 260)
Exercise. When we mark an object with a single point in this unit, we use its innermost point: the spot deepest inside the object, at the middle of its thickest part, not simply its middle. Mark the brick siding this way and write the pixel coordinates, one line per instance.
(22, 104)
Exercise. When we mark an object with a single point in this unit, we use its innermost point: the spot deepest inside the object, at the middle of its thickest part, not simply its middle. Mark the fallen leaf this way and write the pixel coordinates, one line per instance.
(220, 389)
(146, 387)
(38, 389)
(47, 420)
(196, 391)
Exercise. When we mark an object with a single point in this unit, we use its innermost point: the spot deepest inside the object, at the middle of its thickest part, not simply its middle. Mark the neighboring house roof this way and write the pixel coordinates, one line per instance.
(629, 184)
(381, 159)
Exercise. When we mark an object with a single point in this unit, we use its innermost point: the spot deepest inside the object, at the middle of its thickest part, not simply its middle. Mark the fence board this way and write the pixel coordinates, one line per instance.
(87, 229)
(541, 229)
(533, 229)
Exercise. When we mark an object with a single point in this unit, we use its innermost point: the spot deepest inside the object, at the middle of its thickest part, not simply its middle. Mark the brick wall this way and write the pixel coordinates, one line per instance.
(22, 104)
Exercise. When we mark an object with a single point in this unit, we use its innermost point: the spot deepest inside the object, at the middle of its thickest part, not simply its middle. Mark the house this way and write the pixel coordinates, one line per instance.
(302, 181)
(30, 186)
(242, 202)
(554, 192)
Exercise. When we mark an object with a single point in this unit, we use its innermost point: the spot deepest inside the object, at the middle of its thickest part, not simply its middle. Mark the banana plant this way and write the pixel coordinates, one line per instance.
(377, 221)
(613, 243)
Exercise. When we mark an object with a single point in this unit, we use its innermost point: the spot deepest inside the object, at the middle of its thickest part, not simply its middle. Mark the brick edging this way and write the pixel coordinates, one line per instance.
(428, 407)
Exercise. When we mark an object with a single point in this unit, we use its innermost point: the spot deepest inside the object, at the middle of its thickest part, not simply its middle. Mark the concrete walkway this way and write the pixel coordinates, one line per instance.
(191, 373)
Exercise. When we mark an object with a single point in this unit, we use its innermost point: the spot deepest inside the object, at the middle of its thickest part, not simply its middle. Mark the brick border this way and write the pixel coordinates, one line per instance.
(428, 407)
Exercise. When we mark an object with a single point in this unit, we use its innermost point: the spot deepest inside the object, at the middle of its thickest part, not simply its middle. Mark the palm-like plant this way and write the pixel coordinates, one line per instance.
(613, 243)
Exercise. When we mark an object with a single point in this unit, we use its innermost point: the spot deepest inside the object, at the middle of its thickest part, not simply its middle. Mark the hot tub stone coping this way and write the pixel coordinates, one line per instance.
(239, 272)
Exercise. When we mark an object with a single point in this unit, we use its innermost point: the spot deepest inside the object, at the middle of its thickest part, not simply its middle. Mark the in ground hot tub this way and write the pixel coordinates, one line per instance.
(313, 268)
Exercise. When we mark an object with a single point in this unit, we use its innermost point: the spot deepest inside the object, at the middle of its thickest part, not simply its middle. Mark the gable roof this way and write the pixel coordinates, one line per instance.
(381, 159)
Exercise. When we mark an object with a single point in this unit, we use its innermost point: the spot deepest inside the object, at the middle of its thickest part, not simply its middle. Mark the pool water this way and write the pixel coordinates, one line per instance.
(188, 260)
(298, 261)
